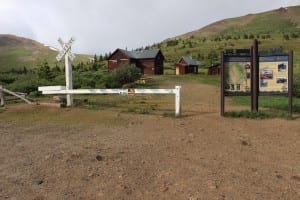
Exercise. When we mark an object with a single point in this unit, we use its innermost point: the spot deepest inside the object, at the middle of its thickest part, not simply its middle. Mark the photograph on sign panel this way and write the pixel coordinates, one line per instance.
(263, 83)
(266, 74)
(281, 80)
(282, 67)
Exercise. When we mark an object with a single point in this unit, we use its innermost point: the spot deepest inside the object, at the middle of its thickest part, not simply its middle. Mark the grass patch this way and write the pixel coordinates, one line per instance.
(177, 79)
(131, 110)
(103, 102)
(138, 104)
(144, 110)
(2, 109)
(201, 78)
(257, 115)
(271, 102)
(169, 114)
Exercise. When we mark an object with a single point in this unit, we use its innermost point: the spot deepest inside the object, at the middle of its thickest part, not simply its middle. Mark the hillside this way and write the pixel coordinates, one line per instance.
(276, 21)
(276, 29)
(17, 52)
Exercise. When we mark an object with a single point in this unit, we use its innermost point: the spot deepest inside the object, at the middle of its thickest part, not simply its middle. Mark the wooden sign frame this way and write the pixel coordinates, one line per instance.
(255, 77)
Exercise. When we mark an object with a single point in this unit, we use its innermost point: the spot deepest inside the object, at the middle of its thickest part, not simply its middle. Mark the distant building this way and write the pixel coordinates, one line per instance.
(186, 65)
(148, 61)
(214, 69)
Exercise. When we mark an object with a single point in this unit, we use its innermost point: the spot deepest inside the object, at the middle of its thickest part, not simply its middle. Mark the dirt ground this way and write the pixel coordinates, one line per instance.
(52, 153)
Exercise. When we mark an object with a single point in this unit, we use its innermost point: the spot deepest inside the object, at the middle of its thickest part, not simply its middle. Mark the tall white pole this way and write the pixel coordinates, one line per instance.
(69, 83)
(177, 101)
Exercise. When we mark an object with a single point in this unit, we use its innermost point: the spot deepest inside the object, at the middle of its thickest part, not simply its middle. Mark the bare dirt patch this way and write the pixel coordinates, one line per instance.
(51, 153)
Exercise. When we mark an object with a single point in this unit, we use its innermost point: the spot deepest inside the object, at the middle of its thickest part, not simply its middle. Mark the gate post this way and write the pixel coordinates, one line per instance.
(177, 101)
(1, 96)
(69, 81)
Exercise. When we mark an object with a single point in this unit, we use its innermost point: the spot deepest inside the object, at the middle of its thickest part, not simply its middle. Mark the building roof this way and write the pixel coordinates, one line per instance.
(141, 54)
(189, 60)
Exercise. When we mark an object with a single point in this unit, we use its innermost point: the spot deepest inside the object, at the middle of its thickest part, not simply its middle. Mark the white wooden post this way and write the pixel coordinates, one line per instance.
(66, 51)
(1, 96)
(69, 81)
(177, 101)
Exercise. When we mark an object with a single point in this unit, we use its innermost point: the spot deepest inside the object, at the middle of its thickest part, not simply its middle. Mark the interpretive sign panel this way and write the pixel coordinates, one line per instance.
(273, 74)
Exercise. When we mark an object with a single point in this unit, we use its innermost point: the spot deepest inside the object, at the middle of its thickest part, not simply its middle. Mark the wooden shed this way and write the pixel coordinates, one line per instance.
(186, 65)
(214, 69)
(150, 62)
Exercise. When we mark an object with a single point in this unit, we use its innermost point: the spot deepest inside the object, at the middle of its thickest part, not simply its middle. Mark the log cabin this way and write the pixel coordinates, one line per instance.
(150, 62)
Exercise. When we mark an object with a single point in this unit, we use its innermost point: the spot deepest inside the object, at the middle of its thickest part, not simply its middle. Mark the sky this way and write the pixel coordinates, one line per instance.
(101, 26)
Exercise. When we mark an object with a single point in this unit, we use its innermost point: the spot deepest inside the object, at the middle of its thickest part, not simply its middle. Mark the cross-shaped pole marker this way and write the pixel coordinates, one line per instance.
(69, 56)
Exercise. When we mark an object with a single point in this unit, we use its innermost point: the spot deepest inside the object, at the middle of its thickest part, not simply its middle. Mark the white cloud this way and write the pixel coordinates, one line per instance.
(100, 26)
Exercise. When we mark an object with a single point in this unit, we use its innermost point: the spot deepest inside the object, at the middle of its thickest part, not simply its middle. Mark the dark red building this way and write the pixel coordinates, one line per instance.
(186, 65)
(214, 69)
(148, 61)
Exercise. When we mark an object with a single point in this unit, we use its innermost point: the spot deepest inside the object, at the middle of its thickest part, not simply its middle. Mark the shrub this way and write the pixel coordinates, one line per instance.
(26, 84)
(123, 75)
(296, 86)
(89, 79)
(7, 78)
(171, 43)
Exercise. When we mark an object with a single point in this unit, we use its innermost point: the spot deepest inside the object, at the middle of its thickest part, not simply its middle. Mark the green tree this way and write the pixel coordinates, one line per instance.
(212, 57)
(56, 71)
(25, 71)
(94, 66)
(95, 59)
(286, 37)
(100, 58)
(44, 72)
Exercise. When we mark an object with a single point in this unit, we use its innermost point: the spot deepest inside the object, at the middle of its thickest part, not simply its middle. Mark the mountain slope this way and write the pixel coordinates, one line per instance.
(276, 29)
(275, 21)
(17, 52)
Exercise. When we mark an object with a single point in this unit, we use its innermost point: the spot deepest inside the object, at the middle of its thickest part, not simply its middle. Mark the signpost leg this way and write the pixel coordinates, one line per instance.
(69, 84)
(290, 82)
(177, 101)
(255, 77)
(1, 96)
(222, 85)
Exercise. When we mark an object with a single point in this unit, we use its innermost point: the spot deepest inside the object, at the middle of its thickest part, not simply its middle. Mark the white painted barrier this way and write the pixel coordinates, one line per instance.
(63, 90)
(51, 88)
(16, 94)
